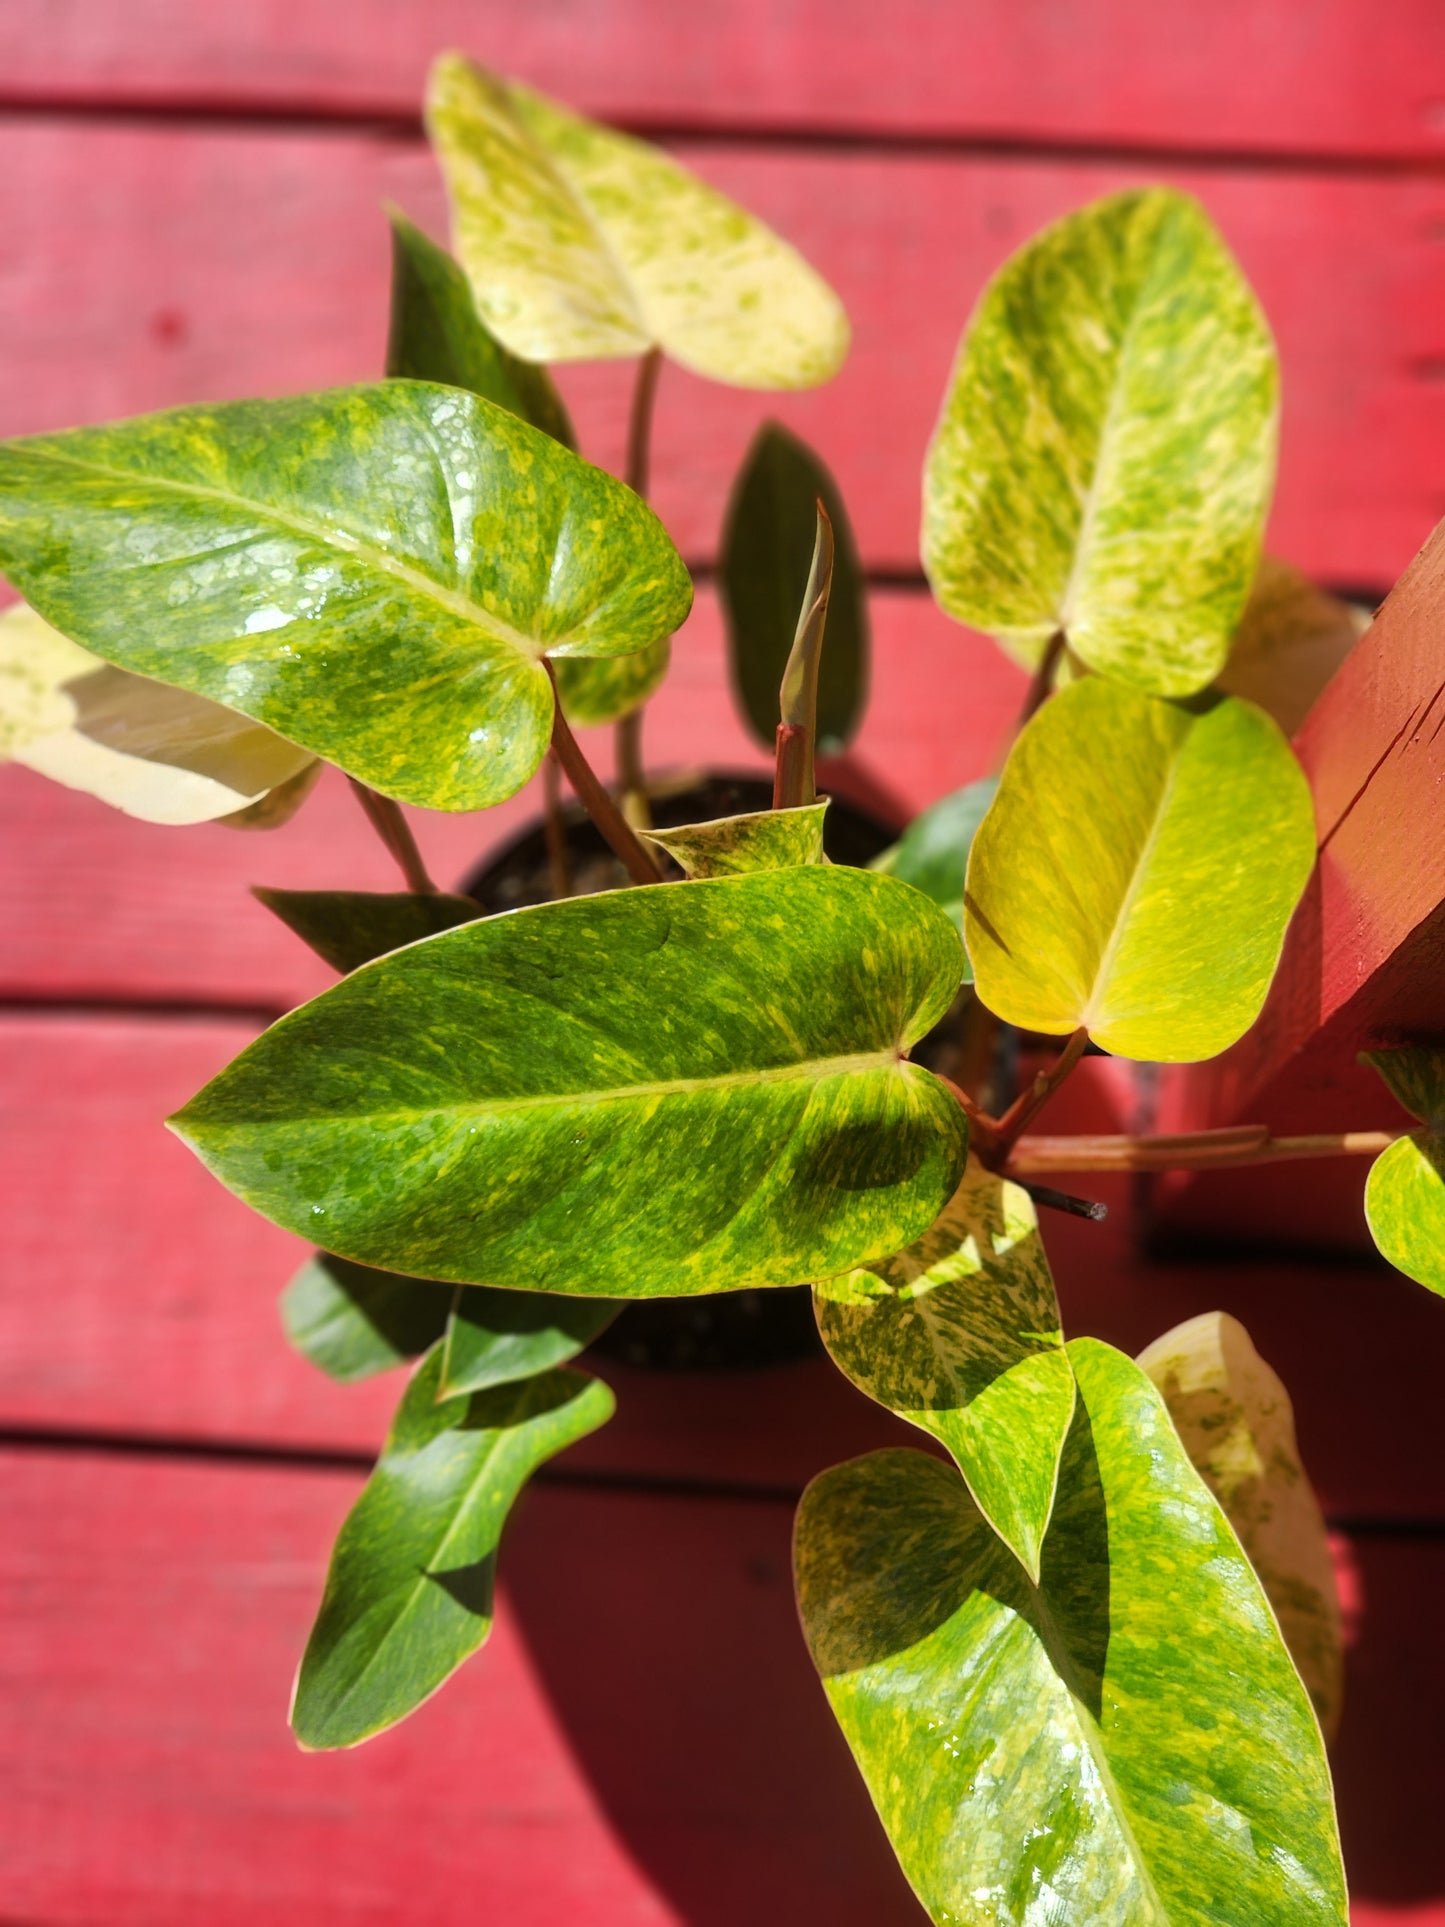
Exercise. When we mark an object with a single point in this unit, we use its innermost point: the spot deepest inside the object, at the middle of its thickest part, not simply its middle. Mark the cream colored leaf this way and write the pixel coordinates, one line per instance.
(1291, 639)
(583, 244)
(1234, 1419)
(154, 752)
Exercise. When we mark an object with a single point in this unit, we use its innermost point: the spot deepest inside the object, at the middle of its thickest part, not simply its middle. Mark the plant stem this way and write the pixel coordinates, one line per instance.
(631, 776)
(595, 799)
(639, 423)
(385, 817)
(1066, 1202)
(627, 732)
(558, 862)
(1040, 684)
(1189, 1151)
(1027, 1105)
(793, 783)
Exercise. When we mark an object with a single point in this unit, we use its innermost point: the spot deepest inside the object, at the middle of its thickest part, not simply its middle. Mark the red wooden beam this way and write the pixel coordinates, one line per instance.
(1333, 77)
(1364, 962)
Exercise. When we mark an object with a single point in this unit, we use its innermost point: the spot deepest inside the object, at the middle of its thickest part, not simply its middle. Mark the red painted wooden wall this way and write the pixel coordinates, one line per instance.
(189, 210)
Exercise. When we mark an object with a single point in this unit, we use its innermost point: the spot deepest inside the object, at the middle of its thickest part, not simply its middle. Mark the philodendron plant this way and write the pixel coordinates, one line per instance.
(1084, 1643)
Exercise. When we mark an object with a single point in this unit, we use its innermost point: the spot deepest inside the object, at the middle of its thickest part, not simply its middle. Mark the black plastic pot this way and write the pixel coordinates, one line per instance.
(733, 1330)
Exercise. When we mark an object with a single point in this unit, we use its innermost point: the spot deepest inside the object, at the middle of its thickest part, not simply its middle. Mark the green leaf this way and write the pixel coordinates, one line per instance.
(1137, 871)
(1234, 1419)
(349, 927)
(647, 1093)
(932, 853)
(595, 692)
(1415, 1076)
(437, 335)
(409, 1593)
(1291, 639)
(373, 572)
(1106, 453)
(767, 548)
(581, 244)
(353, 1322)
(155, 753)
(1405, 1207)
(734, 845)
(960, 1334)
(497, 1337)
(1126, 1743)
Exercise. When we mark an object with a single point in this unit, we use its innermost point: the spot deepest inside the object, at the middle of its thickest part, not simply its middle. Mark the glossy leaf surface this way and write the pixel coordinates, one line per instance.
(497, 1337)
(646, 1093)
(353, 1321)
(409, 1593)
(1234, 1419)
(1125, 1743)
(960, 1334)
(156, 753)
(932, 853)
(767, 548)
(1291, 639)
(1106, 453)
(349, 927)
(1405, 1207)
(735, 845)
(594, 691)
(581, 243)
(437, 335)
(1137, 870)
(372, 572)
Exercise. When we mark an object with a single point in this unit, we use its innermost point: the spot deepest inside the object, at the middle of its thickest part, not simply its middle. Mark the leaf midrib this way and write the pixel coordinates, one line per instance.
(813, 1069)
(331, 537)
(1092, 1013)
(1108, 429)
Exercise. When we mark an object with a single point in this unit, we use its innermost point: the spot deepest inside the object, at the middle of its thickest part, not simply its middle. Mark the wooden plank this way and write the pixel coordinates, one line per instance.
(1364, 963)
(139, 1298)
(96, 906)
(642, 1742)
(147, 265)
(1333, 77)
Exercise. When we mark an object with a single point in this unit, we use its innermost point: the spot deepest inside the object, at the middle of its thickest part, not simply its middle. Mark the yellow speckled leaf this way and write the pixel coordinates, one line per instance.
(1137, 870)
(160, 754)
(1124, 1744)
(583, 244)
(1234, 1419)
(1106, 453)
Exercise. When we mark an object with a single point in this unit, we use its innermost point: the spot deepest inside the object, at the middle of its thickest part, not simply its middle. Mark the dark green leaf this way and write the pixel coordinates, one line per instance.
(932, 853)
(767, 549)
(372, 572)
(409, 1593)
(497, 1337)
(960, 1334)
(353, 1321)
(1416, 1078)
(1126, 1744)
(437, 335)
(648, 1093)
(350, 927)
(734, 845)
(1137, 870)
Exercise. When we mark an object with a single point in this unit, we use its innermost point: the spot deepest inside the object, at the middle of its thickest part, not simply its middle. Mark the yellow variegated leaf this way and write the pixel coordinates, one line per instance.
(583, 244)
